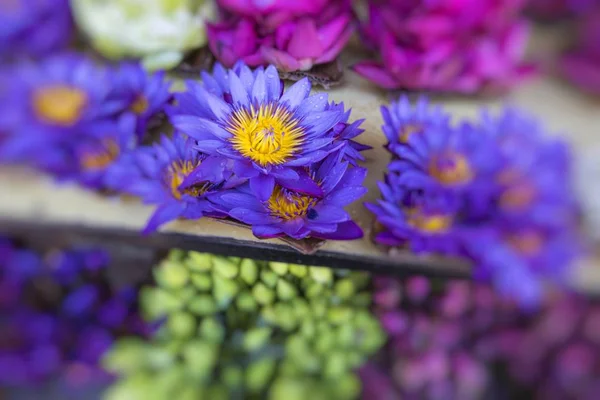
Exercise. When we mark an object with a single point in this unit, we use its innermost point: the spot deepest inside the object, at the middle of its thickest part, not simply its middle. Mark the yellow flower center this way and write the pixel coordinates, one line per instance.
(451, 169)
(407, 130)
(288, 205)
(268, 135)
(528, 243)
(178, 172)
(518, 196)
(434, 223)
(108, 152)
(140, 105)
(60, 104)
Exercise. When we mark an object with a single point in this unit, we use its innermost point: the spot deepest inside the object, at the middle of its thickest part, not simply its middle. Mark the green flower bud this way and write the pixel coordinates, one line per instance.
(314, 290)
(301, 308)
(259, 373)
(345, 335)
(202, 282)
(288, 389)
(335, 365)
(126, 356)
(263, 294)
(225, 267)
(256, 338)
(355, 358)
(297, 270)
(319, 307)
(200, 357)
(279, 268)
(245, 302)
(324, 342)
(176, 255)
(285, 290)
(347, 387)
(269, 315)
(217, 392)
(344, 289)
(300, 354)
(248, 271)
(224, 291)
(321, 274)
(232, 376)
(339, 315)
(171, 275)
(361, 300)
(211, 330)
(199, 262)
(189, 393)
(181, 324)
(235, 260)
(185, 294)
(285, 317)
(167, 382)
(269, 278)
(156, 303)
(133, 387)
(308, 328)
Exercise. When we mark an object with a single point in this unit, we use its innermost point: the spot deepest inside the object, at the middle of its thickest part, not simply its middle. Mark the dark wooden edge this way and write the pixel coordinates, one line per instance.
(60, 234)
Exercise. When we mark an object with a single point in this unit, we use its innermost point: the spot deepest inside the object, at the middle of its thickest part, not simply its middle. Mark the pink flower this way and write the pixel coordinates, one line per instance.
(292, 36)
(464, 46)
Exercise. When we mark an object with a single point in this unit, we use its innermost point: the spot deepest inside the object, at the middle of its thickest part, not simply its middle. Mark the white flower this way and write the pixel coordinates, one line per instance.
(159, 32)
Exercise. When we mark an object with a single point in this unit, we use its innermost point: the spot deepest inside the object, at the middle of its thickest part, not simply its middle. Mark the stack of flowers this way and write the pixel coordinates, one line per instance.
(236, 328)
(580, 63)
(442, 340)
(460, 340)
(33, 28)
(498, 192)
(72, 118)
(59, 316)
(280, 161)
(293, 36)
(159, 32)
(465, 47)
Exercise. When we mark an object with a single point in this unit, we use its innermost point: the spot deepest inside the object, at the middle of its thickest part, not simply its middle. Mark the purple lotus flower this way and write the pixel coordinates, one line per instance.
(401, 120)
(580, 63)
(33, 28)
(146, 94)
(292, 36)
(426, 222)
(297, 215)
(444, 46)
(267, 134)
(176, 177)
(49, 103)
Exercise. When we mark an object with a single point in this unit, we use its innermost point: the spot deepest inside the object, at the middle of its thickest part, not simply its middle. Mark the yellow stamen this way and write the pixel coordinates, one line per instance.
(434, 223)
(140, 105)
(451, 169)
(407, 130)
(109, 151)
(528, 243)
(288, 205)
(178, 172)
(59, 104)
(269, 135)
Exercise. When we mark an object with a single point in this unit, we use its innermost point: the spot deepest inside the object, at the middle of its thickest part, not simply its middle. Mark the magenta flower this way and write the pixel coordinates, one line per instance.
(293, 36)
(443, 46)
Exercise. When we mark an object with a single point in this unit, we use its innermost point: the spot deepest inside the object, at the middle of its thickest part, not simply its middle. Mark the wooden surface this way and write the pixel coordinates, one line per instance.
(26, 197)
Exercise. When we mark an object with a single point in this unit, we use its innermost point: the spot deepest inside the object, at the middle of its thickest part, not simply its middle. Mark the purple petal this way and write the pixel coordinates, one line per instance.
(199, 128)
(328, 214)
(347, 195)
(238, 92)
(251, 217)
(304, 184)
(163, 214)
(266, 231)
(348, 230)
(296, 93)
(262, 185)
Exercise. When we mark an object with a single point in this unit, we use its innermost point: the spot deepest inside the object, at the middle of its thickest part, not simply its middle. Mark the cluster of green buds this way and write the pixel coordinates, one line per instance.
(239, 328)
